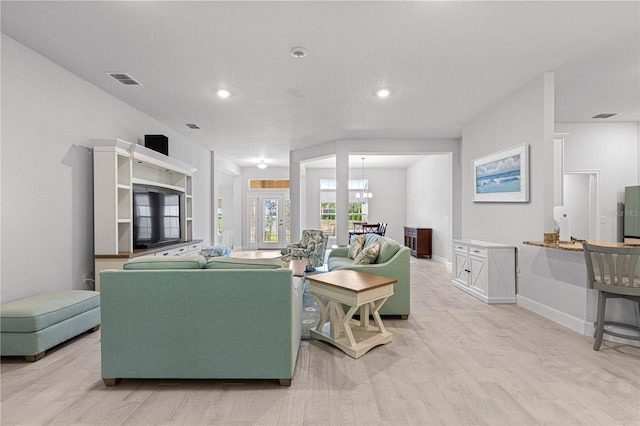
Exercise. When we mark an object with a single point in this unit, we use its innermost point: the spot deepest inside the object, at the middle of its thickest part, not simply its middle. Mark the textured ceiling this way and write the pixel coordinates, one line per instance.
(444, 62)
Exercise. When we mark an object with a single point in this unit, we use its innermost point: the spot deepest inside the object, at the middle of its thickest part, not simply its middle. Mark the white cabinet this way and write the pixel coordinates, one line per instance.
(183, 250)
(485, 270)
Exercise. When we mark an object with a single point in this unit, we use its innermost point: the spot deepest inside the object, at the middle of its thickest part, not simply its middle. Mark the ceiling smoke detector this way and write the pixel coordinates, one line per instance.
(298, 52)
(124, 78)
(605, 115)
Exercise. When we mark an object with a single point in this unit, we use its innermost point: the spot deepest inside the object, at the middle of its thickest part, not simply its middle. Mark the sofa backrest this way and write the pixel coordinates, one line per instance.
(243, 263)
(199, 262)
(388, 247)
(161, 262)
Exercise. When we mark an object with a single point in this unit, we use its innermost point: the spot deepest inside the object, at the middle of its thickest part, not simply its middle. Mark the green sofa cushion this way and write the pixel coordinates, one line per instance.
(242, 263)
(40, 311)
(162, 262)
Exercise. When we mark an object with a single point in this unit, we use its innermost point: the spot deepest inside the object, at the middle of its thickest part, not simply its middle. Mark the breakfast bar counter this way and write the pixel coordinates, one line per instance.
(552, 281)
(577, 245)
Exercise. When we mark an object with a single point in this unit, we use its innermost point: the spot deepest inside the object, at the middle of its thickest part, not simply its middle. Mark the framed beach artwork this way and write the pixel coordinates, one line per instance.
(502, 177)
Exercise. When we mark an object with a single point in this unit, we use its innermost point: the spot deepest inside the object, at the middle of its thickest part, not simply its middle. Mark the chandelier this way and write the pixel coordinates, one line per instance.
(365, 195)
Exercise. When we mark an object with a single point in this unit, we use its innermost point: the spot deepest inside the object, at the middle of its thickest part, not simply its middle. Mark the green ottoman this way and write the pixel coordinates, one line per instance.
(30, 326)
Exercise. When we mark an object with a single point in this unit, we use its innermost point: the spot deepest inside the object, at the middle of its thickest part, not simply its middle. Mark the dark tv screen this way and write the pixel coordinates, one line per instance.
(156, 216)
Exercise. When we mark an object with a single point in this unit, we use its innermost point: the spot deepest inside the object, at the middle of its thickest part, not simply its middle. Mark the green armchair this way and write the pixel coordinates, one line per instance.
(312, 247)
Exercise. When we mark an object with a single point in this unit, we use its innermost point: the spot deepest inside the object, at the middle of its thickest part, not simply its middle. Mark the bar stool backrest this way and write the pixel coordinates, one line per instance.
(613, 269)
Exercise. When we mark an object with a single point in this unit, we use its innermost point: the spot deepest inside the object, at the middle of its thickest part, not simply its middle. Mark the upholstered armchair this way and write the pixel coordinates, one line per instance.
(312, 247)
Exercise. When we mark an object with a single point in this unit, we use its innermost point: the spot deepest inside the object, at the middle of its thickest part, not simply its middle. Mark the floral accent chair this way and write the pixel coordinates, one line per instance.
(312, 247)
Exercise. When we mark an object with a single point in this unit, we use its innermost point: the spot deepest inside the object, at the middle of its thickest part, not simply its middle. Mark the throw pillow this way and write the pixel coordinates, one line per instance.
(356, 246)
(368, 255)
(286, 260)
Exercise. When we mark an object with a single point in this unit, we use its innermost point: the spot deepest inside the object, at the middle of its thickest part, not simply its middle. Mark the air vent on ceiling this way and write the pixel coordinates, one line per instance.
(124, 78)
(192, 126)
(605, 115)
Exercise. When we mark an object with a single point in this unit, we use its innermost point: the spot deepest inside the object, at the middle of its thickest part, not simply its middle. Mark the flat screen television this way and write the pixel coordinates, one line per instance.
(156, 216)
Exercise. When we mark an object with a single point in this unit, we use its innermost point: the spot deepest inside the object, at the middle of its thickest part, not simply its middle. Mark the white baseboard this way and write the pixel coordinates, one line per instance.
(571, 322)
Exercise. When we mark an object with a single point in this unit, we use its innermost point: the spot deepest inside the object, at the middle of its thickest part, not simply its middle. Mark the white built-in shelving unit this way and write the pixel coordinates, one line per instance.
(117, 166)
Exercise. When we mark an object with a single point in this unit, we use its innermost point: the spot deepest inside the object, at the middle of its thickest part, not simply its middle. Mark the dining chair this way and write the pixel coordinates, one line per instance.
(615, 273)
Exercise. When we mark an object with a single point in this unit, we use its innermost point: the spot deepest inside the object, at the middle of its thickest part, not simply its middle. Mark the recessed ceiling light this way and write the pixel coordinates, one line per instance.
(224, 94)
(192, 126)
(262, 165)
(383, 93)
(605, 115)
(298, 52)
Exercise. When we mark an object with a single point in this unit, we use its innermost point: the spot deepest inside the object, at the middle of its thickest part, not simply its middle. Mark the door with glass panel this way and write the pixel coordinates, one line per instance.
(270, 221)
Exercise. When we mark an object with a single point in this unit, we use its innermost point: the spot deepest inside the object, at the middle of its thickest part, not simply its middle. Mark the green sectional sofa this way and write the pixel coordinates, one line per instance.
(180, 318)
(392, 261)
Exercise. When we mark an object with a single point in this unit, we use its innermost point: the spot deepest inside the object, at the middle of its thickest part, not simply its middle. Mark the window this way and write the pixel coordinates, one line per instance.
(143, 204)
(172, 217)
(219, 218)
(268, 183)
(357, 211)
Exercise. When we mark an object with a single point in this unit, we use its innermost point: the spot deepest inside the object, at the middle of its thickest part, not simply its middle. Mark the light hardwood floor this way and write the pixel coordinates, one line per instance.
(455, 361)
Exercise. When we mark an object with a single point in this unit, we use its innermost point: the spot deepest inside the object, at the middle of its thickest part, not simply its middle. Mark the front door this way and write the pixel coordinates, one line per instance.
(271, 221)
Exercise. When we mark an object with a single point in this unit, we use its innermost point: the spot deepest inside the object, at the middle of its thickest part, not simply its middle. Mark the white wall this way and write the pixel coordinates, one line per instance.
(611, 149)
(552, 282)
(47, 194)
(519, 118)
(429, 205)
(526, 116)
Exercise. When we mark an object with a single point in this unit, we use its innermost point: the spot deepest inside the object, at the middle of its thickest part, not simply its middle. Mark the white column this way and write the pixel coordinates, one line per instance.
(295, 197)
(342, 196)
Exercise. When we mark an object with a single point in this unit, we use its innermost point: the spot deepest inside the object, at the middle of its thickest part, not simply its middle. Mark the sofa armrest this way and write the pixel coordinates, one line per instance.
(397, 267)
(339, 252)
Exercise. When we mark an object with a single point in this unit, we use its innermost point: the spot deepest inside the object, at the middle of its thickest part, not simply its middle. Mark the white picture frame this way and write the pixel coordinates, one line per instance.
(502, 177)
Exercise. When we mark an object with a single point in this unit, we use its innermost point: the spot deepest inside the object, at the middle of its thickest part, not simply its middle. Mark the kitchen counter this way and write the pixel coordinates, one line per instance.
(576, 245)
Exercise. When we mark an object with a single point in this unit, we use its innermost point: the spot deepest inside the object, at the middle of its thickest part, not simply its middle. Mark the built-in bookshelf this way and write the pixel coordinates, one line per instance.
(118, 165)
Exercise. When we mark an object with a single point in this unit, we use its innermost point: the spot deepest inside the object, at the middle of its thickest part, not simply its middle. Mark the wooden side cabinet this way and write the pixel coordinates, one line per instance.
(418, 240)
